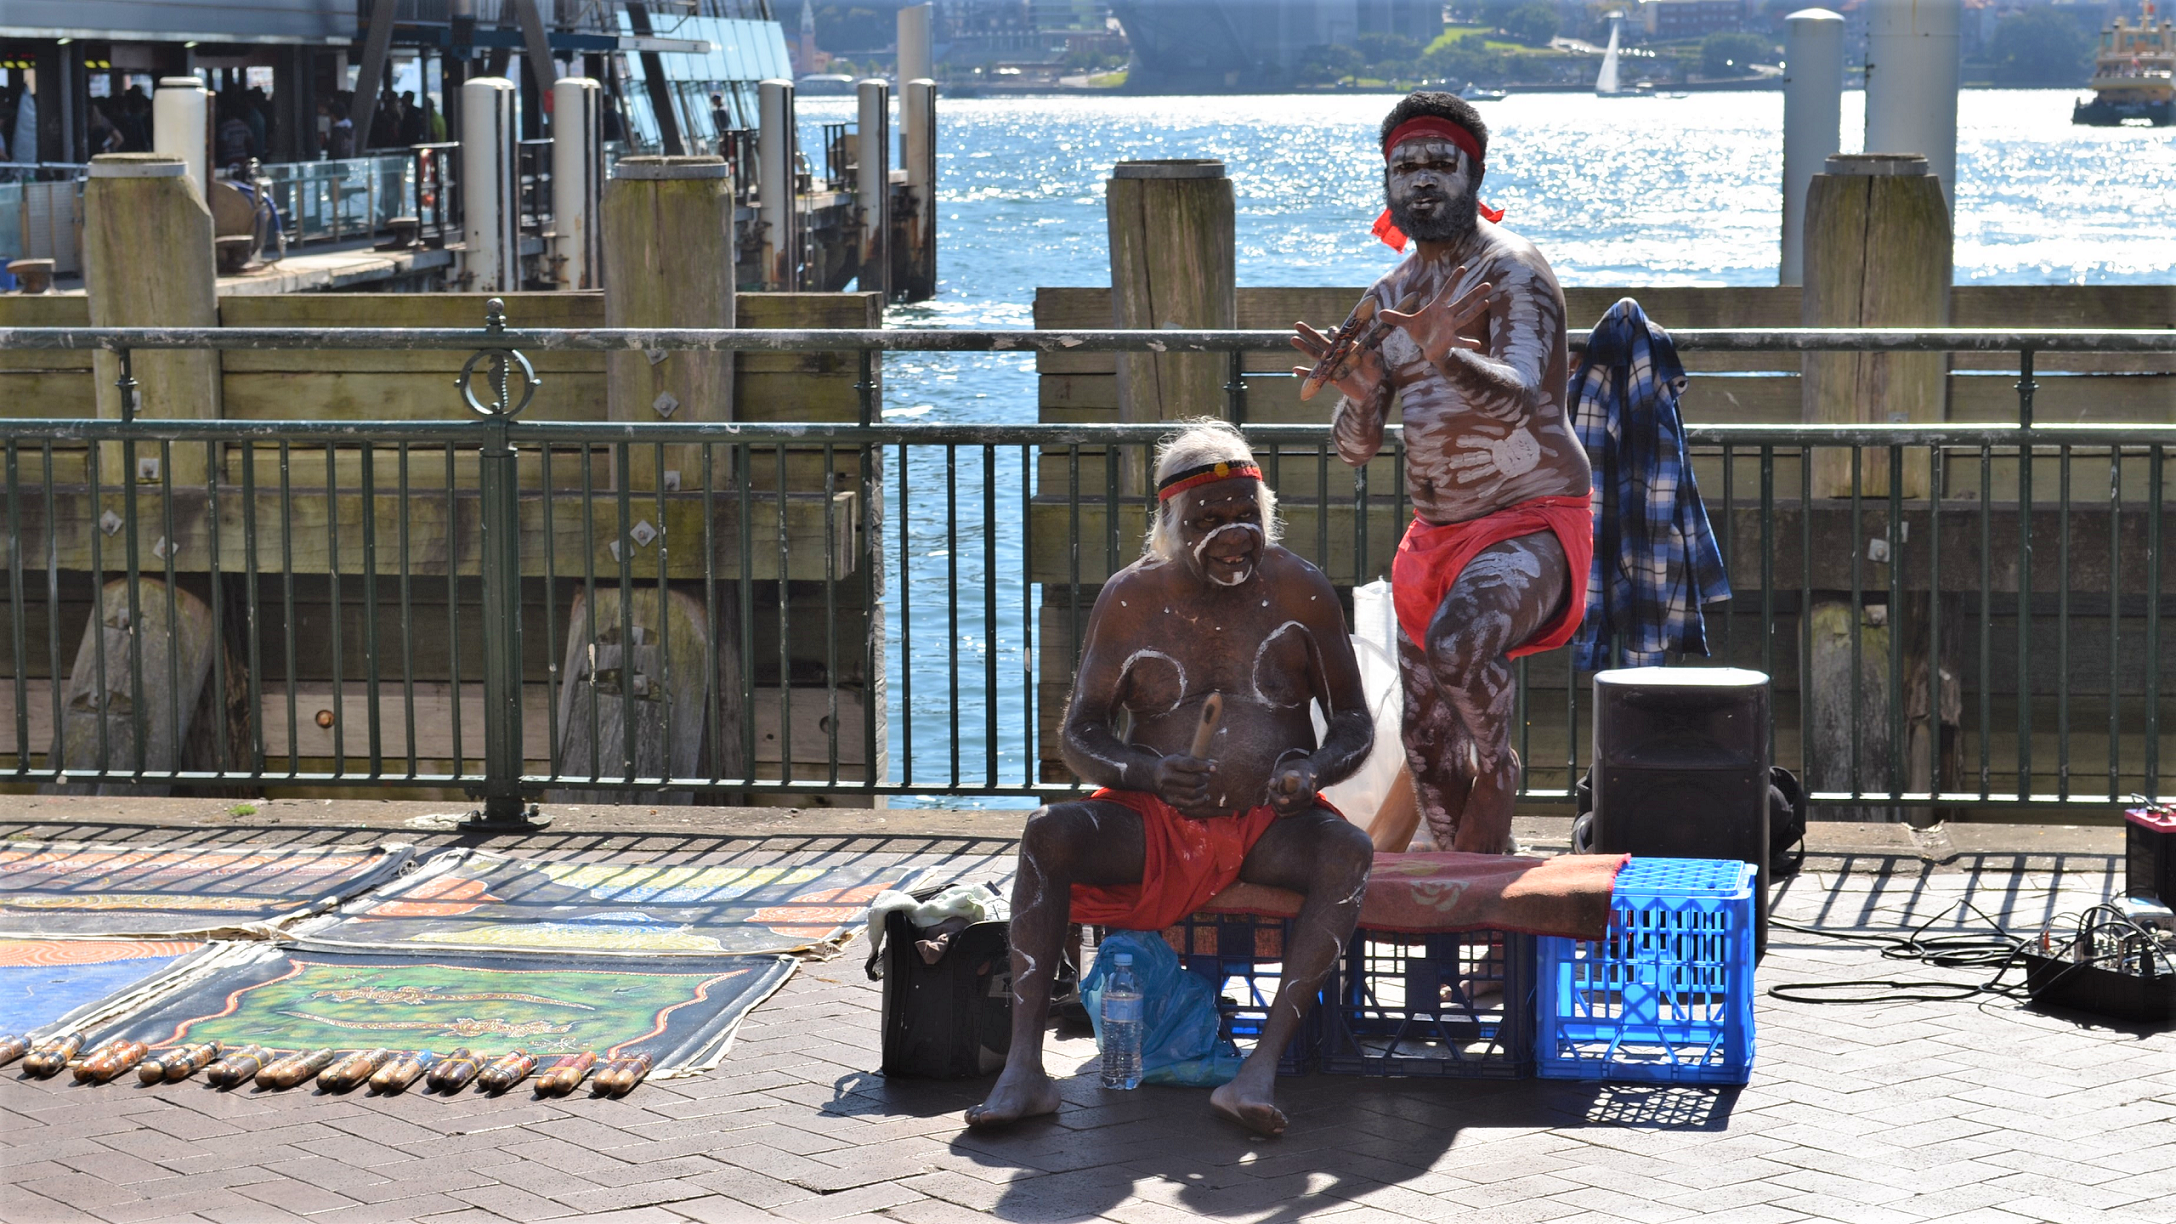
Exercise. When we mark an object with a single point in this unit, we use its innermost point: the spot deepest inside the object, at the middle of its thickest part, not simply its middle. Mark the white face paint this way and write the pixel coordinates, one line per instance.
(1201, 553)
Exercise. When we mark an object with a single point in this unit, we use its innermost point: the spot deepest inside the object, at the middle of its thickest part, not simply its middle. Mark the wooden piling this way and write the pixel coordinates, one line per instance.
(147, 242)
(144, 664)
(668, 255)
(1173, 264)
(629, 663)
(1877, 255)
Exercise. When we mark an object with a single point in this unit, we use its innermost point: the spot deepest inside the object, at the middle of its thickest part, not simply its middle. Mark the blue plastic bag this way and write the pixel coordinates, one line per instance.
(1180, 1044)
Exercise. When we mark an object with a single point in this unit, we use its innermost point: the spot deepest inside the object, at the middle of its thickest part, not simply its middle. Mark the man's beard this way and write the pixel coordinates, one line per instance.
(1456, 221)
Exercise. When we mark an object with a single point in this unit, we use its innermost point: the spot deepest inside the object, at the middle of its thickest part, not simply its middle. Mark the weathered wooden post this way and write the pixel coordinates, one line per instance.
(638, 667)
(914, 273)
(873, 183)
(140, 670)
(1877, 255)
(1173, 265)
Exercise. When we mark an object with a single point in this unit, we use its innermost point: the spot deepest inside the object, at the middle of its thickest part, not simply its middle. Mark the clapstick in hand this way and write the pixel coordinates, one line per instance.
(1212, 713)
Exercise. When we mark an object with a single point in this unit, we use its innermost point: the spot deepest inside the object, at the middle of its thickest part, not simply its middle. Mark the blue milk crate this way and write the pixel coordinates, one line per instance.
(1667, 995)
(1446, 1005)
(1241, 956)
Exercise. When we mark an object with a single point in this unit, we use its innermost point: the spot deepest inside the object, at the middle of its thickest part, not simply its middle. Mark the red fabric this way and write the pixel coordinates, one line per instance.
(1431, 125)
(1395, 239)
(1186, 863)
(1431, 557)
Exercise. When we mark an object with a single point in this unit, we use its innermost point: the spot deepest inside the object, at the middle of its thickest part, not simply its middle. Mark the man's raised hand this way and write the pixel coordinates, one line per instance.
(1359, 376)
(1441, 325)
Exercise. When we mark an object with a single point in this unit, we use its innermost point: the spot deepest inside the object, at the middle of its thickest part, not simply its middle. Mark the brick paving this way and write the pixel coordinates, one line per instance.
(1959, 1111)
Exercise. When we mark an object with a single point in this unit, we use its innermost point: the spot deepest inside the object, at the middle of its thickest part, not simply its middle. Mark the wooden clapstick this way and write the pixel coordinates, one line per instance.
(401, 1070)
(565, 1075)
(52, 1055)
(12, 1048)
(187, 1061)
(1212, 713)
(296, 1068)
(506, 1071)
(454, 1071)
(353, 1069)
(110, 1060)
(238, 1067)
(1360, 333)
(620, 1077)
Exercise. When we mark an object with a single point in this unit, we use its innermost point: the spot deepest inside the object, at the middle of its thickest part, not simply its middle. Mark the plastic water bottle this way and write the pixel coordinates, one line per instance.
(1122, 1024)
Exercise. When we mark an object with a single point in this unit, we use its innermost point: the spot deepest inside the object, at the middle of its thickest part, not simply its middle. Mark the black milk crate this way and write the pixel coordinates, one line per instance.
(1449, 1004)
(1241, 956)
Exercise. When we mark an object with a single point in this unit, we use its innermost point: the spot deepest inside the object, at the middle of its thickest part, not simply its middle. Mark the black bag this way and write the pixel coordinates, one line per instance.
(1786, 821)
(953, 1019)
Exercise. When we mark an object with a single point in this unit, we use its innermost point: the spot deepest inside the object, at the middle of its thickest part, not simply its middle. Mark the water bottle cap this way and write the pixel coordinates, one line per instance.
(1122, 958)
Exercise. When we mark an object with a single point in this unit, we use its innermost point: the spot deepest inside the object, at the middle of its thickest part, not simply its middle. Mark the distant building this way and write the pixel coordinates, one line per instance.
(1218, 45)
(1667, 20)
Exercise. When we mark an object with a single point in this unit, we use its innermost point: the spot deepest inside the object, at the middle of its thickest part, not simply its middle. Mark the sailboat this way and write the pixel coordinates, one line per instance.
(1605, 82)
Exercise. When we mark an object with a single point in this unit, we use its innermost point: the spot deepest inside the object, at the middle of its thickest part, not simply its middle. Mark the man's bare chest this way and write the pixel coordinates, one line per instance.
(1247, 653)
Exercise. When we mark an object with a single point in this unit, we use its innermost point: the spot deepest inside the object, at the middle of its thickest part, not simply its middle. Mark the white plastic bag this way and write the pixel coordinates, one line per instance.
(1375, 644)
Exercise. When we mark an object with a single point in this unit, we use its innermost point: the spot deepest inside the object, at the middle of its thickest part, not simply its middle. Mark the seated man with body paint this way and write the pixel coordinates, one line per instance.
(1214, 607)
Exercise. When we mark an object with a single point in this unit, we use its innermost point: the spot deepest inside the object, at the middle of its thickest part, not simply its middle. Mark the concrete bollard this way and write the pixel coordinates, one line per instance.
(915, 62)
(148, 262)
(1813, 100)
(777, 187)
(181, 126)
(917, 278)
(1877, 255)
(668, 238)
(1173, 264)
(577, 180)
(873, 183)
(1913, 67)
(490, 199)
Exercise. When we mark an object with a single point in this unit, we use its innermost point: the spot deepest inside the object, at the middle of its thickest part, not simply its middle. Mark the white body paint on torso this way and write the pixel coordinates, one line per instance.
(1254, 675)
(1145, 653)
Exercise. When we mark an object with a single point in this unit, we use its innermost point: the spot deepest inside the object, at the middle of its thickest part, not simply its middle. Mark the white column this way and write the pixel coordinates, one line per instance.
(577, 178)
(181, 127)
(914, 45)
(918, 153)
(489, 204)
(778, 203)
(1912, 69)
(1813, 101)
(873, 183)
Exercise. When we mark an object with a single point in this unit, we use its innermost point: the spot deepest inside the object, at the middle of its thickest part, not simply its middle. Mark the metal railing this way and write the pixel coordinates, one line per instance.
(898, 607)
(333, 201)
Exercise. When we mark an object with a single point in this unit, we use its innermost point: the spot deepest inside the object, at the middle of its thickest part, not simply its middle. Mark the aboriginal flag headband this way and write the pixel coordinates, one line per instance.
(1179, 482)
(1414, 129)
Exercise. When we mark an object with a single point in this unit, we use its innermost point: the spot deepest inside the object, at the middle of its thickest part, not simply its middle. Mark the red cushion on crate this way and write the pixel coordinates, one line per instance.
(1450, 890)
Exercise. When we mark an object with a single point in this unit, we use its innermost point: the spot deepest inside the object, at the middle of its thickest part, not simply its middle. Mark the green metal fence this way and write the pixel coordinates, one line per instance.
(717, 611)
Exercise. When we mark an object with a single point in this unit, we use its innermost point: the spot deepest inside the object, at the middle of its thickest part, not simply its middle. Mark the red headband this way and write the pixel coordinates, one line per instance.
(1414, 129)
(1430, 125)
(1180, 482)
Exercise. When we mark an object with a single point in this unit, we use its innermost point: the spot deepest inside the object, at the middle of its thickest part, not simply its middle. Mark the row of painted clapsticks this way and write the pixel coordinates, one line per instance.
(387, 1071)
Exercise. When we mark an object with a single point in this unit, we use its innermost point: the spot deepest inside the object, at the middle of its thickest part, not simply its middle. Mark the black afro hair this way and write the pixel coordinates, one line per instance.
(1442, 106)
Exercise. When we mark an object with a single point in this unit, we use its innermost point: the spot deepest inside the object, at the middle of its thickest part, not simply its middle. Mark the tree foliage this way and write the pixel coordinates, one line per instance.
(1464, 60)
(1327, 64)
(1732, 53)
(1388, 55)
(2041, 46)
(1532, 24)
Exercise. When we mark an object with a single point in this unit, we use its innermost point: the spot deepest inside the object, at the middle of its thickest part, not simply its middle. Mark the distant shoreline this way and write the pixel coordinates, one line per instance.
(967, 90)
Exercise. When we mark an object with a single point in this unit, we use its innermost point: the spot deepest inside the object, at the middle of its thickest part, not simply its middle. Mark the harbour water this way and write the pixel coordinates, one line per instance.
(1625, 191)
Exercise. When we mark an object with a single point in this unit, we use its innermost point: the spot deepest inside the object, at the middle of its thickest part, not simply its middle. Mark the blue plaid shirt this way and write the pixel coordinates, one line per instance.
(1655, 560)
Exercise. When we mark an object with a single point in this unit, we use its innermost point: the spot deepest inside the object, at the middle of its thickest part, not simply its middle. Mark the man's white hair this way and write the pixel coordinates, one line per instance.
(1204, 440)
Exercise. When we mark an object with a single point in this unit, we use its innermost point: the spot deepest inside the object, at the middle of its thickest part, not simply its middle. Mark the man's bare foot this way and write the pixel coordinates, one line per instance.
(1250, 1105)
(1019, 1093)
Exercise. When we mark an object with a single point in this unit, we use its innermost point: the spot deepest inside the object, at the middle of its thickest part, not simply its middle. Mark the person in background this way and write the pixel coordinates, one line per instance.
(340, 140)
(105, 137)
(232, 139)
(435, 122)
(256, 112)
(135, 119)
(412, 126)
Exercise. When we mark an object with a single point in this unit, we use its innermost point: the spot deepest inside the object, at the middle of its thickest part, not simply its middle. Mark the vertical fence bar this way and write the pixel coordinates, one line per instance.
(589, 603)
(407, 621)
(334, 619)
(906, 629)
(554, 679)
(712, 699)
(171, 539)
(1937, 478)
(1032, 729)
(132, 564)
(2062, 623)
(94, 462)
(743, 465)
(16, 613)
(785, 627)
(1806, 739)
(1730, 551)
(287, 605)
(831, 618)
(2115, 618)
(1987, 620)
(1768, 575)
(872, 560)
(2156, 481)
(952, 581)
(452, 553)
(55, 761)
(374, 724)
(989, 615)
(2024, 595)
(662, 687)
(252, 612)
(1858, 616)
(623, 536)
(1897, 623)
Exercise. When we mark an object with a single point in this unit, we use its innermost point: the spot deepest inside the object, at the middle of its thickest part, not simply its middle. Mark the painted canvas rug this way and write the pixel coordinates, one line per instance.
(75, 888)
(755, 901)
(681, 1012)
(52, 985)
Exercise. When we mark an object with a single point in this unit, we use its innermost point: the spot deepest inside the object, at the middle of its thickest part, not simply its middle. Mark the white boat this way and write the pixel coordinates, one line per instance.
(1605, 81)
(1474, 93)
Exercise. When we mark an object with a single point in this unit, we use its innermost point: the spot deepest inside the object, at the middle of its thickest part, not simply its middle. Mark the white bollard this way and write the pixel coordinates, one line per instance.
(915, 62)
(918, 155)
(777, 194)
(1813, 107)
(490, 206)
(578, 179)
(181, 127)
(873, 184)
(1912, 69)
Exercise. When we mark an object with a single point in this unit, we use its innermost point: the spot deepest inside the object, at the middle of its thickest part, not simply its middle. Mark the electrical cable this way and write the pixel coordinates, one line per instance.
(1996, 948)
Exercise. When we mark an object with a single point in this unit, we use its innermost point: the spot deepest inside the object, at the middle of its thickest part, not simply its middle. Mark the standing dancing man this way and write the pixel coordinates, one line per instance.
(1469, 332)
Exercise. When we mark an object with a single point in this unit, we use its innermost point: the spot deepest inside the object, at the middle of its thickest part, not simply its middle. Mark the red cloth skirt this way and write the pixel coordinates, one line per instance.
(1186, 863)
(1432, 556)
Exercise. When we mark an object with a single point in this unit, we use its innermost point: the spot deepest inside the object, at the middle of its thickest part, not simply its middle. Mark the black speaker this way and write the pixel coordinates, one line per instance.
(1681, 758)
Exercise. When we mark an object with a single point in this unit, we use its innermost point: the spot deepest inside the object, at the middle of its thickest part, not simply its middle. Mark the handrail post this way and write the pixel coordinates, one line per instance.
(504, 809)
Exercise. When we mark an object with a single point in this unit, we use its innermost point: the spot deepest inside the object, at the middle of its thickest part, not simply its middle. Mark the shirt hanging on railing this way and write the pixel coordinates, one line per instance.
(1655, 559)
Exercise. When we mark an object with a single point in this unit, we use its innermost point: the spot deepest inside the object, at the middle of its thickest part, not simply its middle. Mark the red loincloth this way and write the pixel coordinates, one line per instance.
(1431, 557)
(1187, 862)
